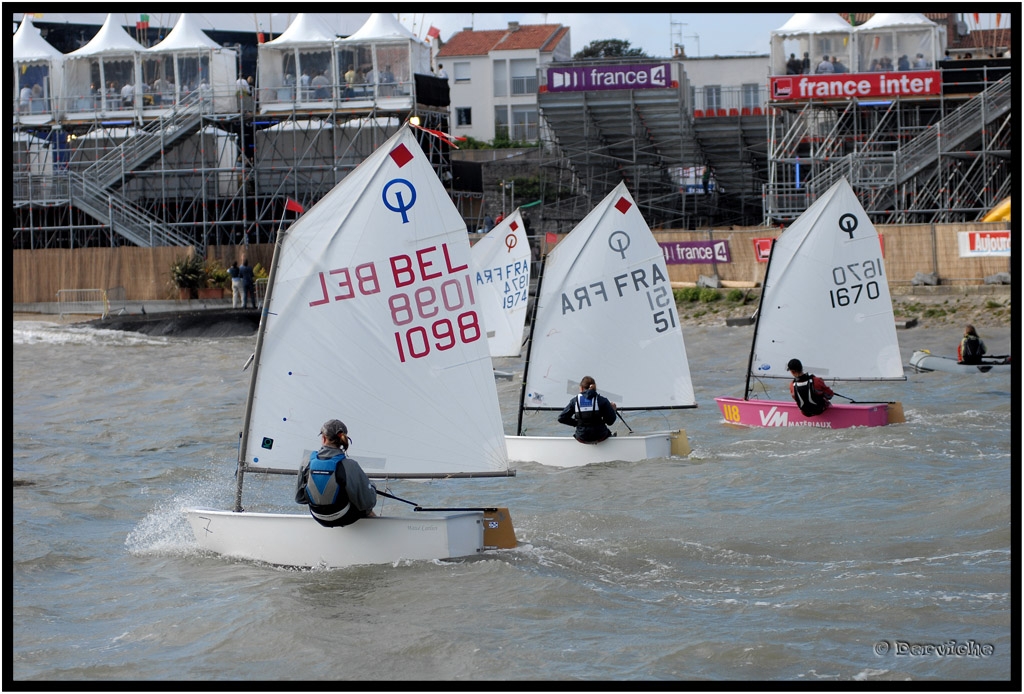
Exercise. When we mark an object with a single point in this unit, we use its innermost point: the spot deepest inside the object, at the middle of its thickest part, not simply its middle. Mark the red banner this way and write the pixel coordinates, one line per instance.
(762, 249)
(857, 85)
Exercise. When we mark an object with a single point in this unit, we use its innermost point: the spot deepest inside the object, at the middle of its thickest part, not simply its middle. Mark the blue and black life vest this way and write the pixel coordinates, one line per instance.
(809, 401)
(325, 487)
(588, 411)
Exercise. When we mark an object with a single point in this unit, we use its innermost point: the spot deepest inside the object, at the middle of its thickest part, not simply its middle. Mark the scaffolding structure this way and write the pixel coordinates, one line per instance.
(941, 159)
(659, 143)
(193, 176)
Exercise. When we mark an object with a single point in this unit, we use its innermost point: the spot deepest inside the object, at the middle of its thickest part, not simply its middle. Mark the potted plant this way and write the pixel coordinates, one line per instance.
(216, 278)
(188, 274)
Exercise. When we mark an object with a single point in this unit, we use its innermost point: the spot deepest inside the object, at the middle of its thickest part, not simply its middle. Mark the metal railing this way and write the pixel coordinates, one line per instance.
(954, 128)
(149, 141)
(86, 302)
(123, 217)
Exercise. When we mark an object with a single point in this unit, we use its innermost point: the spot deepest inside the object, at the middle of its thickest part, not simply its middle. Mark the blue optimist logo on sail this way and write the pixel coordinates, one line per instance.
(397, 189)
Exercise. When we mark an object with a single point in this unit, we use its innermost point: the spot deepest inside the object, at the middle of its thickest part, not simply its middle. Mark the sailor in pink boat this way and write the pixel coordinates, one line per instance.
(810, 392)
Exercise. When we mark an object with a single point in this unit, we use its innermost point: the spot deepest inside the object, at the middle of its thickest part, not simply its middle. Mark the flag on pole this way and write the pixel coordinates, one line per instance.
(433, 32)
(550, 238)
(294, 206)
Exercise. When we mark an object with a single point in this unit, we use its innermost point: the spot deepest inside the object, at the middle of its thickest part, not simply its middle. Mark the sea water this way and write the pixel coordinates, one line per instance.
(791, 554)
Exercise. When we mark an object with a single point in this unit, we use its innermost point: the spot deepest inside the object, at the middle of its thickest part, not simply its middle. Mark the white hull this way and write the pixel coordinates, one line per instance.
(565, 451)
(922, 360)
(287, 539)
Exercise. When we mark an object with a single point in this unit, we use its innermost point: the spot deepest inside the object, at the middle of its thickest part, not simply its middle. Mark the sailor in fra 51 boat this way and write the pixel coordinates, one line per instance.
(590, 412)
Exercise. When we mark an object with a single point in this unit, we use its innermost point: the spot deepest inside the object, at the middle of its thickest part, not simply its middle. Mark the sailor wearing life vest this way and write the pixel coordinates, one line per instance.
(971, 348)
(810, 392)
(590, 413)
(333, 485)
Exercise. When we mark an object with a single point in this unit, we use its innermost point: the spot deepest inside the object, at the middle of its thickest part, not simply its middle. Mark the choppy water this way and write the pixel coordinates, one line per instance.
(800, 555)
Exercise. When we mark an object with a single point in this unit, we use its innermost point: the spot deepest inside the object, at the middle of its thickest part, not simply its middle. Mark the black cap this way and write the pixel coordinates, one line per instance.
(794, 365)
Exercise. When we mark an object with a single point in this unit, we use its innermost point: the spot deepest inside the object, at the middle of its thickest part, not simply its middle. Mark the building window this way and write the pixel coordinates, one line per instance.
(524, 123)
(751, 95)
(461, 72)
(463, 115)
(713, 97)
(500, 68)
(524, 76)
(501, 123)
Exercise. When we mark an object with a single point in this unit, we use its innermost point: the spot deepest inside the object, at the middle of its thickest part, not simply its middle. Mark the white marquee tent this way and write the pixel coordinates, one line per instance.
(817, 35)
(187, 60)
(95, 74)
(908, 36)
(37, 69)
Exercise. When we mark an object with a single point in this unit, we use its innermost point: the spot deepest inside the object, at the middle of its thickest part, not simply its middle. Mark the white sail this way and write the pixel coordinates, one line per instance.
(826, 298)
(373, 318)
(606, 310)
(501, 266)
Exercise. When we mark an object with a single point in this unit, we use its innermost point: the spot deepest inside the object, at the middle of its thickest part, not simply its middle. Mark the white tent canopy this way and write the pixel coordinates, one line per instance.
(385, 55)
(381, 25)
(96, 73)
(813, 23)
(185, 35)
(37, 69)
(813, 34)
(289, 64)
(185, 60)
(899, 41)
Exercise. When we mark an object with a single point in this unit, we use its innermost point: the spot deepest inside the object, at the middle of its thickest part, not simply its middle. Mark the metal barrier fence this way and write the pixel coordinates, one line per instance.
(89, 301)
(261, 290)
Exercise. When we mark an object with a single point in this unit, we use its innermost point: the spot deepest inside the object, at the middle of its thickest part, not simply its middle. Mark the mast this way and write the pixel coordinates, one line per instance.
(529, 346)
(242, 445)
(757, 320)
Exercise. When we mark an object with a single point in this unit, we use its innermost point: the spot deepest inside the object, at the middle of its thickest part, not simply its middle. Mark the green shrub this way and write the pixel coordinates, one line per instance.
(735, 295)
(708, 295)
(686, 294)
(188, 272)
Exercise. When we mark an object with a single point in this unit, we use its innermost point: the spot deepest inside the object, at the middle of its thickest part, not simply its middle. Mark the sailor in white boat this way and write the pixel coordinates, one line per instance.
(971, 348)
(590, 413)
(810, 392)
(333, 485)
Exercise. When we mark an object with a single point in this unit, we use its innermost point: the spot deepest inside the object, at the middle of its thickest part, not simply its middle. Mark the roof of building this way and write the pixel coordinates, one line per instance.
(541, 37)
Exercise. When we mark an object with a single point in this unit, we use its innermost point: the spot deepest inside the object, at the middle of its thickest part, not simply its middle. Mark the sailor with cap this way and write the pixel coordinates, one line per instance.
(336, 489)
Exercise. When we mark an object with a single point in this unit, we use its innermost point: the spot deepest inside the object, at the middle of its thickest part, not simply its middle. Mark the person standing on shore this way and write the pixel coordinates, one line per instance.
(236, 285)
(248, 284)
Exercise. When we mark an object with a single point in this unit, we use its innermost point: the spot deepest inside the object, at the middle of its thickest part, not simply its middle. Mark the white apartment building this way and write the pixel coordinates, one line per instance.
(727, 83)
(493, 77)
